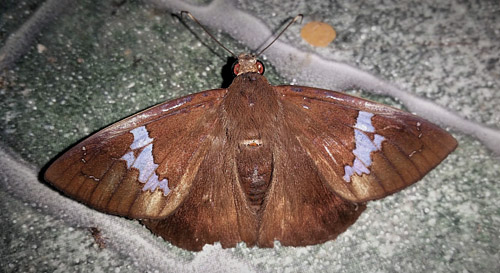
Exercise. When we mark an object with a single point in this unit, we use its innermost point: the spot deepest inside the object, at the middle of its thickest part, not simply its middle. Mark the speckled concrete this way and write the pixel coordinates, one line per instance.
(99, 62)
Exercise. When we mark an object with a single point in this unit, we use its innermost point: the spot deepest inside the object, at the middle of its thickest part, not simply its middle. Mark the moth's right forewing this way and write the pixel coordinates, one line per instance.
(364, 150)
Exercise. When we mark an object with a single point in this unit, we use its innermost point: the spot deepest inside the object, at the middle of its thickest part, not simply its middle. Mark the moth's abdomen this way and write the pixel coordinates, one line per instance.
(254, 166)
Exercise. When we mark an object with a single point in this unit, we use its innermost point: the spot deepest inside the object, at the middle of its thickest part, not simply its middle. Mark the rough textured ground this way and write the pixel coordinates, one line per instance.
(73, 70)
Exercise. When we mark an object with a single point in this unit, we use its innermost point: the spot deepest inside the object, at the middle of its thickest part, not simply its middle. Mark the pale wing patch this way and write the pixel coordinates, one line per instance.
(141, 138)
(144, 162)
(364, 146)
(364, 122)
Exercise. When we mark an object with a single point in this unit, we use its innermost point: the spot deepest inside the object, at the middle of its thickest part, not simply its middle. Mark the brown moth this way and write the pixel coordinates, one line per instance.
(252, 163)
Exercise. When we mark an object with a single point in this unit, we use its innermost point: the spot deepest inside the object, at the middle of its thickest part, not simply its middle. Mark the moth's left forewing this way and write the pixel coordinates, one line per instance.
(363, 150)
(143, 165)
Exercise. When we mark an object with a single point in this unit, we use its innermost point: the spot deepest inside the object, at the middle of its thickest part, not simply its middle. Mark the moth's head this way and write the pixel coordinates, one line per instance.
(247, 63)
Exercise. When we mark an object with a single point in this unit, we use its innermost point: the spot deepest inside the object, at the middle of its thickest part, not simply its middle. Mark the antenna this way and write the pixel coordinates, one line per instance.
(299, 16)
(206, 31)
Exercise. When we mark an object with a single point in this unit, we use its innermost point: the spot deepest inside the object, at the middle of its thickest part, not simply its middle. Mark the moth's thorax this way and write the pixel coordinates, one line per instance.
(252, 113)
(250, 105)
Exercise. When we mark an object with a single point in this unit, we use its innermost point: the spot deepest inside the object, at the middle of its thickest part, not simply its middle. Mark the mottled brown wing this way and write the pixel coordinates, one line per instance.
(362, 150)
(216, 209)
(144, 165)
(300, 209)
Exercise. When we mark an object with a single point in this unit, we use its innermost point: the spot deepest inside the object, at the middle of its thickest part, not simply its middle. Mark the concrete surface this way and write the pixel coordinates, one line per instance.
(72, 67)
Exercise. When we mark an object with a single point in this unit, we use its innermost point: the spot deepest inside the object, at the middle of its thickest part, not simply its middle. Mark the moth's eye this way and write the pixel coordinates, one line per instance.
(236, 68)
(260, 67)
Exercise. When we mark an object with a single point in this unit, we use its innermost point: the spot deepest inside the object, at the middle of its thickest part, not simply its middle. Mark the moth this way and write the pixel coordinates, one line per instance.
(252, 163)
